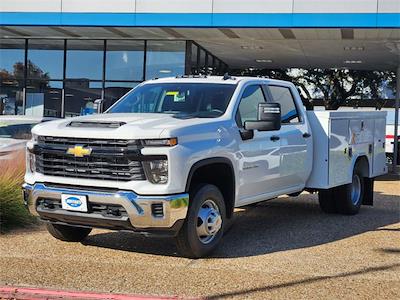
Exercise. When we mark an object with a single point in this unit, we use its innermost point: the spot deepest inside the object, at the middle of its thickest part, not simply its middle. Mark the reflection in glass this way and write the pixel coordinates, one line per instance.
(124, 60)
(80, 96)
(115, 90)
(202, 62)
(165, 59)
(45, 59)
(43, 98)
(11, 98)
(85, 59)
(12, 57)
(193, 59)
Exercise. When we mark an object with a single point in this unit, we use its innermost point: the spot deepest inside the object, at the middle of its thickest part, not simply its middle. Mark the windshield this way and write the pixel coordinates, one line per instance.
(16, 131)
(208, 100)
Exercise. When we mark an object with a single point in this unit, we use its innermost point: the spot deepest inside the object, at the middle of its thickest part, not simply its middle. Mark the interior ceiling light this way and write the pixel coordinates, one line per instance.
(353, 61)
(264, 60)
(165, 71)
(354, 48)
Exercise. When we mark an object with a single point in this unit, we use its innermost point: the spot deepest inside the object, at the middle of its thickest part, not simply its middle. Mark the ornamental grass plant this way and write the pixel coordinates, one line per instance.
(12, 210)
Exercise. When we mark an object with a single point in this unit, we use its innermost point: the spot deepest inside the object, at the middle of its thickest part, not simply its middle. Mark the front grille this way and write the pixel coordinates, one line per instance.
(117, 160)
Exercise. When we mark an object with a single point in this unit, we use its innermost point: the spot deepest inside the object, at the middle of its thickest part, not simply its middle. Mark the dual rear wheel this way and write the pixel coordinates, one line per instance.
(346, 199)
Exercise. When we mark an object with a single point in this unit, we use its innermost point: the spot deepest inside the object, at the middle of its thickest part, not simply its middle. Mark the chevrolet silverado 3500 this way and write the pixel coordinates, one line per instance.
(175, 156)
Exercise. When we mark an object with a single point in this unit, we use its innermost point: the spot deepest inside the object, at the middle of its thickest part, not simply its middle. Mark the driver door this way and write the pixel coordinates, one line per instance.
(259, 163)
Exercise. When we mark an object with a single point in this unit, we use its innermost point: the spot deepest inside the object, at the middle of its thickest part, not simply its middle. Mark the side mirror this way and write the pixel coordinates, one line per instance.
(98, 105)
(269, 118)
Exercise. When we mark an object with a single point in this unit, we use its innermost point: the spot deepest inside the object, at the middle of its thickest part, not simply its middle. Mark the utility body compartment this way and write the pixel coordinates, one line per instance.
(339, 139)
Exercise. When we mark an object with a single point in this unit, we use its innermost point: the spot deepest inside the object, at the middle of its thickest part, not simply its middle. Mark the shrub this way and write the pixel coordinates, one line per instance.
(12, 210)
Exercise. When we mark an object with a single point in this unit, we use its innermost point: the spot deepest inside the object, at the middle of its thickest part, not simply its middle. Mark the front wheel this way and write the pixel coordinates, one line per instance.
(204, 224)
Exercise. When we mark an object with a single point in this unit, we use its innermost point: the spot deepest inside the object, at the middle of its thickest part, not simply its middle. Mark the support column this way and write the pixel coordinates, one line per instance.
(396, 121)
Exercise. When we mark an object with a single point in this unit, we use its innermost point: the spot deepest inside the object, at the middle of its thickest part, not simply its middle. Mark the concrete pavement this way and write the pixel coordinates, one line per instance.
(285, 248)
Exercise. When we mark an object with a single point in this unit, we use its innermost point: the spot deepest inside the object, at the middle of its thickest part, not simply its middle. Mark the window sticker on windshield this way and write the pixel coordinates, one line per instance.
(178, 97)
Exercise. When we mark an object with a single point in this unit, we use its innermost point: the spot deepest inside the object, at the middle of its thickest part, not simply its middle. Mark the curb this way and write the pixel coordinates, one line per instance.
(20, 293)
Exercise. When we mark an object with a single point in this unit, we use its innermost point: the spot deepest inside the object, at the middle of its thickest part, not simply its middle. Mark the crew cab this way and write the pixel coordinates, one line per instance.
(175, 156)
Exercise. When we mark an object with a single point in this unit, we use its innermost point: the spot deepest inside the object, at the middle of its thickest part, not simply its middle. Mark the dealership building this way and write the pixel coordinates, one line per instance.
(58, 56)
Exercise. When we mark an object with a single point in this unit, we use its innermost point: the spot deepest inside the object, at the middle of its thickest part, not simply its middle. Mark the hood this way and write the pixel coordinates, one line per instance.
(8, 144)
(117, 126)
(9, 147)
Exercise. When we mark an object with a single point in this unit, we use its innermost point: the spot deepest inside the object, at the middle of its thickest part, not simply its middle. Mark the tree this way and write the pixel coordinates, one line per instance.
(335, 86)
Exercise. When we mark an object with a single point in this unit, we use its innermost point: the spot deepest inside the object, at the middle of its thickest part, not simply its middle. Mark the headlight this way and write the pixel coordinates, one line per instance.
(160, 142)
(156, 171)
(34, 138)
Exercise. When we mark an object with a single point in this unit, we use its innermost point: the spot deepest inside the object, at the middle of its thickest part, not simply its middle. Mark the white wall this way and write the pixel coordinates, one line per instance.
(174, 6)
(30, 5)
(102, 6)
(203, 6)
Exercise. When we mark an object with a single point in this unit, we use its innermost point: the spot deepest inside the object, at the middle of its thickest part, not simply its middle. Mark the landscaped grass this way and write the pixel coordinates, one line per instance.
(12, 210)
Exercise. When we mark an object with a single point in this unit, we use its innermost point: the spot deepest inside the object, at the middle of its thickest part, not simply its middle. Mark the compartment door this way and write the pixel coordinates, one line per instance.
(339, 160)
(379, 156)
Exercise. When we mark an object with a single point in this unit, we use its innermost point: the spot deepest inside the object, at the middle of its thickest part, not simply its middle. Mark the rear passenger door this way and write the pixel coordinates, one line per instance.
(294, 139)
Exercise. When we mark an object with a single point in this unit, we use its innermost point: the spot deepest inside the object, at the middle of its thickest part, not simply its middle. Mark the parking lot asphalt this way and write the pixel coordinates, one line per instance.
(284, 248)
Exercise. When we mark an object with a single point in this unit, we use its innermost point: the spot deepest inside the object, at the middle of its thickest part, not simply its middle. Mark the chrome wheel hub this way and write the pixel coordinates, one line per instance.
(209, 221)
(355, 189)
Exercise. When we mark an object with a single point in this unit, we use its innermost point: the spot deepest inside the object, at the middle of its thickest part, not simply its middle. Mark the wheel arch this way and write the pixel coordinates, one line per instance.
(215, 171)
(362, 162)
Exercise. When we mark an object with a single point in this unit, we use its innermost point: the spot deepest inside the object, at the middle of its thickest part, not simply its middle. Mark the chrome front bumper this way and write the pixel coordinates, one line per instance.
(137, 207)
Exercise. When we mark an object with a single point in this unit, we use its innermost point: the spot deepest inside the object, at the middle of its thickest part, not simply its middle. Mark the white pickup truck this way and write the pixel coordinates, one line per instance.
(175, 156)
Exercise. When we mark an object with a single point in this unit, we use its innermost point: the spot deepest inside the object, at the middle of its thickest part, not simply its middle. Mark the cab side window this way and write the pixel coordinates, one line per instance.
(284, 97)
(248, 107)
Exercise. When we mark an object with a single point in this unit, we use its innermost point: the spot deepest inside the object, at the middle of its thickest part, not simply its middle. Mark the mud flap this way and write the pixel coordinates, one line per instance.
(368, 198)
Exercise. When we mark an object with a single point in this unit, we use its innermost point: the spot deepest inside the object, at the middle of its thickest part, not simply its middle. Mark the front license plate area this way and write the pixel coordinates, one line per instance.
(74, 202)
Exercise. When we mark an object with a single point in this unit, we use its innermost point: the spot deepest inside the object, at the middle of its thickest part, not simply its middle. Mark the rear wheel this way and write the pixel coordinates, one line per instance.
(351, 195)
(345, 199)
(68, 233)
(204, 224)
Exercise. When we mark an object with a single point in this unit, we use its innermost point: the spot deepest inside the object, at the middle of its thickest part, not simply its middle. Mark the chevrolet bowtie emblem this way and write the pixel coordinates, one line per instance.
(79, 151)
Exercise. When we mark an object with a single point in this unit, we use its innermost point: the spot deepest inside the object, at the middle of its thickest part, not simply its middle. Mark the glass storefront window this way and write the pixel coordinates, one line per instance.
(12, 61)
(11, 98)
(89, 71)
(45, 59)
(12, 58)
(43, 98)
(193, 59)
(165, 59)
(85, 59)
(202, 62)
(80, 95)
(124, 60)
(115, 90)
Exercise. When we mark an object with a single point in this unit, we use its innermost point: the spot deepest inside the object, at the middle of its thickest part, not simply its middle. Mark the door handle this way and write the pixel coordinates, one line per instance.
(306, 135)
(275, 138)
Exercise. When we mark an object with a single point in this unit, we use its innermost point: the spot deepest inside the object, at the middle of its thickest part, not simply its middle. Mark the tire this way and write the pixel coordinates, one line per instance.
(327, 201)
(351, 196)
(344, 199)
(205, 200)
(68, 233)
